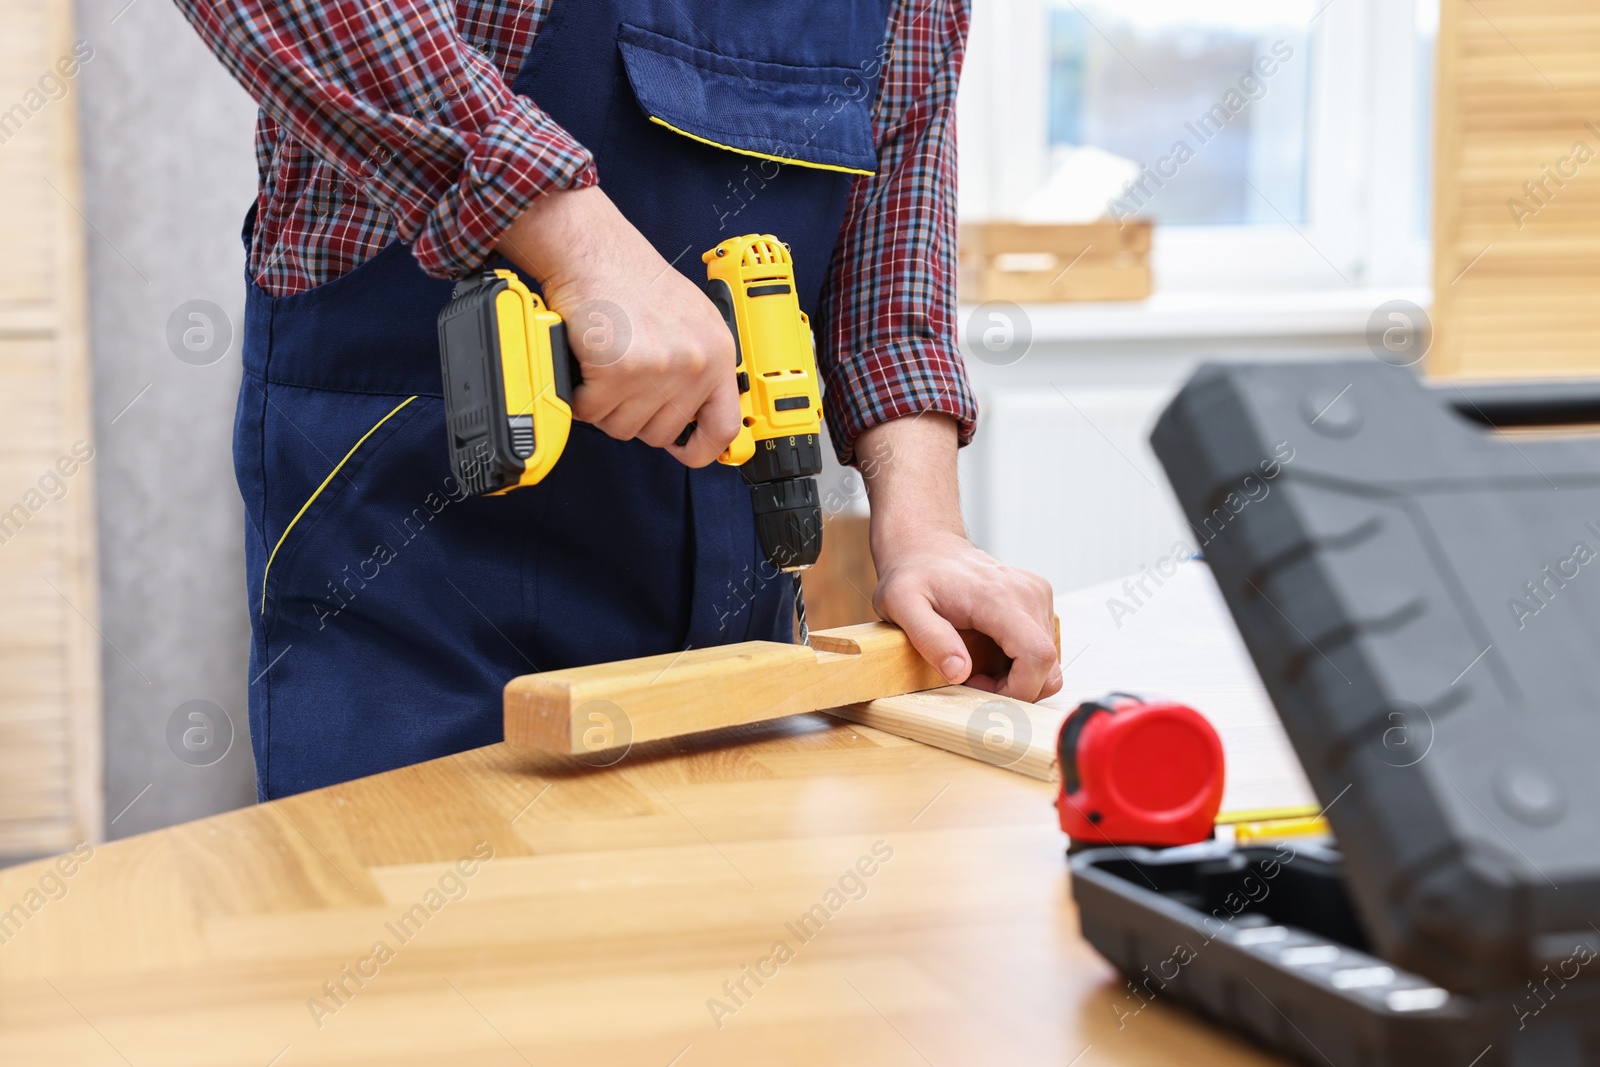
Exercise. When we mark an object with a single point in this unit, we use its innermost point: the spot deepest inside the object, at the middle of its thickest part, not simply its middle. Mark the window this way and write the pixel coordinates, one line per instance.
(1216, 91)
(1278, 144)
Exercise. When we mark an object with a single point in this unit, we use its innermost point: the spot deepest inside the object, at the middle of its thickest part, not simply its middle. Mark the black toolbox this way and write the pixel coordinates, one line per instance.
(1420, 592)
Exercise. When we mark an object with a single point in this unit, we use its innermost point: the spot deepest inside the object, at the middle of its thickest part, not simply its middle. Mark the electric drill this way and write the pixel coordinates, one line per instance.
(509, 377)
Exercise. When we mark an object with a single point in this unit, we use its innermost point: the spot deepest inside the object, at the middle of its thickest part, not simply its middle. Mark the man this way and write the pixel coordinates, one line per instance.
(600, 147)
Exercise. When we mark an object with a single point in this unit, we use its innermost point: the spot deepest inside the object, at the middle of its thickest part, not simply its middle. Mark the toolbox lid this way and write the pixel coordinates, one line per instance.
(1420, 592)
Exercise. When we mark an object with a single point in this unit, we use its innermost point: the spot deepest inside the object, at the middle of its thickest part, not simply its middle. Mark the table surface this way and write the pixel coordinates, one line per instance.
(653, 912)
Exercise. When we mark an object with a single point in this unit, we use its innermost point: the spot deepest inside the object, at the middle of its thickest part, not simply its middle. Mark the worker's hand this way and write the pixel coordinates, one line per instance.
(655, 353)
(932, 581)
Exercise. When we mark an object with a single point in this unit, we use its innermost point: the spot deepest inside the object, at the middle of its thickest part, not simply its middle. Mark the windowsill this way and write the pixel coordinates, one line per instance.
(1219, 315)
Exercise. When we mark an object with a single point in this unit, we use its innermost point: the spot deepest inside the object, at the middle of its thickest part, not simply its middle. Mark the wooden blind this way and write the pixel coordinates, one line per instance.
(50, 789)
(1517, 217)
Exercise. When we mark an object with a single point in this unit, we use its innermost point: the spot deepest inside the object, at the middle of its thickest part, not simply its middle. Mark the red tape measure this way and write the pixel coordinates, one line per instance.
(1139, 773)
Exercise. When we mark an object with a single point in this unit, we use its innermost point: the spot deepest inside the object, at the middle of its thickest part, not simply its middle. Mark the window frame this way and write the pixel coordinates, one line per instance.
(1362, 228)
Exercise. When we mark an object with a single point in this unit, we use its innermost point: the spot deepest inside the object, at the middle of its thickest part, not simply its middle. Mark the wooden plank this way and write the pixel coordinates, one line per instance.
(22, 322)
(970, 723)
(609, 706)
(613, 705)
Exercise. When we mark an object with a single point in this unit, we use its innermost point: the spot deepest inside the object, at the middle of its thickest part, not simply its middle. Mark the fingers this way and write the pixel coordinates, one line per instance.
(1013, 608)
(679, 369)
(666, 424)
(1052, 682)
(1030, 645)
(592, 403)
(629, 418)
(1033, 596)
(982, 683)
(1046, 612)
(661, 423)
(717, 423)
(934, 638)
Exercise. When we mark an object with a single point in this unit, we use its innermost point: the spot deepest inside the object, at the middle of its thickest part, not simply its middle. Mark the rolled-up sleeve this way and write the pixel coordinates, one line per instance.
(888, 339)
(390, 95)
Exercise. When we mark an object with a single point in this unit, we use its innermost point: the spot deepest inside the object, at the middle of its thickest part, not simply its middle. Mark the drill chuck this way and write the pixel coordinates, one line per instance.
(784, 494)
(792, 456)
(788, 522)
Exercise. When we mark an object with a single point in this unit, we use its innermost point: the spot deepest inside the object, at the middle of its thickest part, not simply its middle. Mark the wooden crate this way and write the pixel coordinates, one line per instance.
(50, 789)
(1515, 289)
(1033, 263)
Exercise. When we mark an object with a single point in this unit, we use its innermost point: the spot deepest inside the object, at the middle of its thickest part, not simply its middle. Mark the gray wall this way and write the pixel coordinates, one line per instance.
(168, 174)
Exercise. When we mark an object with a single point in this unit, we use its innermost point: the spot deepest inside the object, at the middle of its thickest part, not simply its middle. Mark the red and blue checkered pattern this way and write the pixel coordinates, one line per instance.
(393, 118)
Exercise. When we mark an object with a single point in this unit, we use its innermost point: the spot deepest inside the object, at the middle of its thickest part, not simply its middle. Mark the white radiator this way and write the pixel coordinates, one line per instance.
(1063, 482)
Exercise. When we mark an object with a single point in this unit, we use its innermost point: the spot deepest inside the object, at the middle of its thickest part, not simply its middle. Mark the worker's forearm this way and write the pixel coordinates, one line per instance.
(932, 581)
(567, 232)
(909, 466)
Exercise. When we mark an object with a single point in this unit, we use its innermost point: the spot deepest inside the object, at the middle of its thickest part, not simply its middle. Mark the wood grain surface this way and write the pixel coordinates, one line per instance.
(611, 705)
(1048, 263)
(606, 706)
(906, 906)
(1006, 733)
(1517, 189)
(50, 760)
(803, 891)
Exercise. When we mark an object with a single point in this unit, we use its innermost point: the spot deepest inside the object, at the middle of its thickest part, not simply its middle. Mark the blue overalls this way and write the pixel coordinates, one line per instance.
(388, 609)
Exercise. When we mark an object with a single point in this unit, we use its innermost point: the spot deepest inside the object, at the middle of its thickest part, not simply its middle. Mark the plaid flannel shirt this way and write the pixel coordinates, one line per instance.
(393, 119)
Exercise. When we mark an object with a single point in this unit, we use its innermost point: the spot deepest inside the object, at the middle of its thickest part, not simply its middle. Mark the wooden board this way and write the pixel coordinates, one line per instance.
(618, 909)
(1516, 271)
(995, 730)
(614, 705)
(50, 792)
(609, 706)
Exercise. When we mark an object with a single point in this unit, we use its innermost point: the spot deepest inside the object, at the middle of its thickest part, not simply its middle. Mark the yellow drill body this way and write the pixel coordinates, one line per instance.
(751, 280)
(509, 380)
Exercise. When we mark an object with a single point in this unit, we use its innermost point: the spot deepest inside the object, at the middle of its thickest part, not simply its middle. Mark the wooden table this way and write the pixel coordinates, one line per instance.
(616, 917)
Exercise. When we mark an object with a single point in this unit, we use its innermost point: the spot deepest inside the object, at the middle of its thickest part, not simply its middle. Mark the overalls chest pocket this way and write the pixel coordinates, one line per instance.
(725, 118)
(807, 115)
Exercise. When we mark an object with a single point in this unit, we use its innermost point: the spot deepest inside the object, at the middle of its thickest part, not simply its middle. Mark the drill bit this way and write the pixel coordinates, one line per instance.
(800, 610)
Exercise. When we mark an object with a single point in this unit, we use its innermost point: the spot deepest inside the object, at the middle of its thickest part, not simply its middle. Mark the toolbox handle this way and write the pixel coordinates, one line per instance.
(1537, 403)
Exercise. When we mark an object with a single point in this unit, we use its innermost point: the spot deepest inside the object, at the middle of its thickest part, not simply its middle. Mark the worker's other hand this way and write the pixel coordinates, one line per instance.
(655, 353)
(935, 583)
(932, 581)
